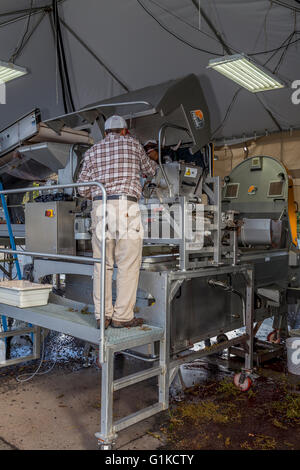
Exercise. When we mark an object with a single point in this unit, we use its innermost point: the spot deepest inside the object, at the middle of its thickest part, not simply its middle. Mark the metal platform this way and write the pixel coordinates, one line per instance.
(81, 325)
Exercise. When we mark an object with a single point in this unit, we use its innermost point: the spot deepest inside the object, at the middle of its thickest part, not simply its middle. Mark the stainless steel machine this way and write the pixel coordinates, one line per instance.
(215, 259)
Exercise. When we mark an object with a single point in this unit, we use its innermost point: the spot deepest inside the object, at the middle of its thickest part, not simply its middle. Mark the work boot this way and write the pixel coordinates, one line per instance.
(127, 324)
(107, 323)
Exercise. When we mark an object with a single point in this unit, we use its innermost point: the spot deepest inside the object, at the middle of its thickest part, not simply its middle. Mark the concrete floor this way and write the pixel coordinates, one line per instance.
(5, 446)
(61, 411)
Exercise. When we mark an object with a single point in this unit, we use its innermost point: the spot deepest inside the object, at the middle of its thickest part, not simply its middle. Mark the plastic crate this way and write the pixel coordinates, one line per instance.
(24, 294)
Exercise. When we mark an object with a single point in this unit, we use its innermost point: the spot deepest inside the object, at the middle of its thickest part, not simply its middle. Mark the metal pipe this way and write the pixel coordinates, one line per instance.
(10, 232)
(226, 287)
(76, 258)
(106, 105)
(141, 357)
(71, 157)
(51, 256)
(160, 133)
(210, 161)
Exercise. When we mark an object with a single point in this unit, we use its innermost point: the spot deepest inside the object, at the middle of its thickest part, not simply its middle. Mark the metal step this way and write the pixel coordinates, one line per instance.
(82, 325)
(136, 378)
(137, 417)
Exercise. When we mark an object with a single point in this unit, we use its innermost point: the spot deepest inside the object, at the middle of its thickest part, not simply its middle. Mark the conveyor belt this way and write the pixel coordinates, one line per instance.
(83, 326)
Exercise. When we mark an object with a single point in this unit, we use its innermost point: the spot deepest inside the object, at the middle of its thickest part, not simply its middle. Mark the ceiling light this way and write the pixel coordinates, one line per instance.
(9, 71)
(241, 70)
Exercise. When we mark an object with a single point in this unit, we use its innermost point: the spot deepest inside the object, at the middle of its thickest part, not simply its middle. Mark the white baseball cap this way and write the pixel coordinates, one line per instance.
(152, 142)
(115, 122)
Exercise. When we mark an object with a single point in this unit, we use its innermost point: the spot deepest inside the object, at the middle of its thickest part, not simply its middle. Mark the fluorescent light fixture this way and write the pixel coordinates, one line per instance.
(9, 71)
(241, 70)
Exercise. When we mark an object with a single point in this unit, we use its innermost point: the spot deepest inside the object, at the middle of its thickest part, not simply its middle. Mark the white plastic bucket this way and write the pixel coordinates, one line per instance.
(293, 354)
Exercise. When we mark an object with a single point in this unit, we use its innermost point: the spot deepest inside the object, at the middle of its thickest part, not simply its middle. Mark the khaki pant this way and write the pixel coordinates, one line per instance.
(124, 244)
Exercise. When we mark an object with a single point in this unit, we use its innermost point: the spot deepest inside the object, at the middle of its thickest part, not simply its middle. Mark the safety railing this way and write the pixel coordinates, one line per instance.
(83, 259)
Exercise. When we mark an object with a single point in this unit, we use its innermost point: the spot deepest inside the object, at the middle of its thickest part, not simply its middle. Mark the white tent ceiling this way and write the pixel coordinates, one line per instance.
(140, 52)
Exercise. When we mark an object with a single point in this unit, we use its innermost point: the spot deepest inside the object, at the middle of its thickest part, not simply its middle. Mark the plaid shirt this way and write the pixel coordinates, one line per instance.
(118, 163)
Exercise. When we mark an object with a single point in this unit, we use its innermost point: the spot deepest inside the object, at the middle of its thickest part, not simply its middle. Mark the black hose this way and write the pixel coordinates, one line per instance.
(62, 62)
(65, 66)
(54, 12)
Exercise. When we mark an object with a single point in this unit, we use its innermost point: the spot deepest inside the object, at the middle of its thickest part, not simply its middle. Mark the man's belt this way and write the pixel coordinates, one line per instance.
(121, 196)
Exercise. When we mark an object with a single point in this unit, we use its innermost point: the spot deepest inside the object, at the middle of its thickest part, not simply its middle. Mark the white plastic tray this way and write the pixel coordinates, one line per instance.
(24, 294)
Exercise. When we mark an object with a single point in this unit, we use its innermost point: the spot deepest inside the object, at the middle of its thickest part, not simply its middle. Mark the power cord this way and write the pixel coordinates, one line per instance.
(30, 376)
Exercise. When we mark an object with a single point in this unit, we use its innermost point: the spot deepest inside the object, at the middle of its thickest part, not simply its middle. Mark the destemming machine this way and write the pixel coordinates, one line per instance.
(215, 258)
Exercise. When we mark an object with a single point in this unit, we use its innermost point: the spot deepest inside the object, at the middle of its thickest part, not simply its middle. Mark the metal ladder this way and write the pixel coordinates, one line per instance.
(109, 428)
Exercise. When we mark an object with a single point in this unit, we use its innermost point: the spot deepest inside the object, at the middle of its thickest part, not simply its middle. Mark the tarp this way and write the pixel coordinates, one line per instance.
(140, 52)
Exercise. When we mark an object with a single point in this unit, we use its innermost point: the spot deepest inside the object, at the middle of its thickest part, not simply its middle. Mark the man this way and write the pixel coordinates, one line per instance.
(151, 149)
(117, 161)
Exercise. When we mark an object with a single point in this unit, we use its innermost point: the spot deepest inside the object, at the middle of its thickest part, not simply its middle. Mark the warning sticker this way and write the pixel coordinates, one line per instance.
(191, 172)
(198, 118)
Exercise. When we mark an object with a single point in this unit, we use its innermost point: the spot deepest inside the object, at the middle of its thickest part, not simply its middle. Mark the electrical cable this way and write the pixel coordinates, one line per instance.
(269, 112)
(66, 72)
(30, 376)
(285, 5)
(80, 40)
(18, 18)
(58, 55)
(227, 113)
(187, 43)
(276, 49)
(264, 25)
(35, 11)
(211, 26)
(62, 62)
(218, 19)
(29, 36)
(20, 45)
(166, 10)
(17, 12)
(283, 54)
(274, 53)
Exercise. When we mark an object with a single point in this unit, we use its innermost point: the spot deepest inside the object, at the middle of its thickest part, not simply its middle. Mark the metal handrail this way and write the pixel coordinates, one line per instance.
(160, 133)
(75, 258)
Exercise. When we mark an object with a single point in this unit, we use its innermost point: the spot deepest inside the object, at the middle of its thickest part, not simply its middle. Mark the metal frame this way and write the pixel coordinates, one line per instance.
(35, 332)
(75, 258)
(56, 125)
(106, 349)
(215, 227)
(160, 134)
(167, 366)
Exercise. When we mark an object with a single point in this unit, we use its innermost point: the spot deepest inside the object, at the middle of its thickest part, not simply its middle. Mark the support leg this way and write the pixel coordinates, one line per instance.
(280, 323)
(37, 342)
(106, 435)
(249, 321)
(164, 376)
(243, 380)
